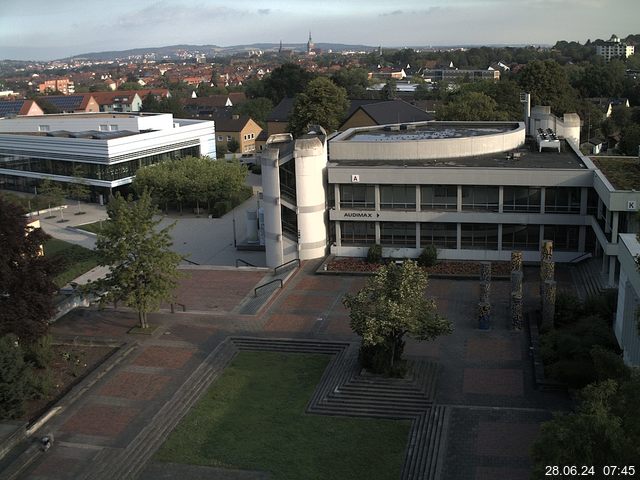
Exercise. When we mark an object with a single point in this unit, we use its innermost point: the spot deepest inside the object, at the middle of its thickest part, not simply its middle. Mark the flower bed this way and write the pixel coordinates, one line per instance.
(445, 268)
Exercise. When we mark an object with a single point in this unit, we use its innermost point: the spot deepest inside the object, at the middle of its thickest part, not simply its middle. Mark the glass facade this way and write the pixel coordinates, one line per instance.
(357, 196)
(521, 199)
(442, 235)
(562, 200)
(288, 180)
(520, 237)
(94, 171)
(439, 197)
(565, 237)
(358, 233)
(289, 223)
(479, 236)
(480, 198)
(398, 234)
(401, 197)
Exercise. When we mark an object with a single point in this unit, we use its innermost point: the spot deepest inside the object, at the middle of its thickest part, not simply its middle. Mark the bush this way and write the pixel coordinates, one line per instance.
(603, 305)
(256, 168)
(13, 378)
(40, 353)
(221, 208)
(374, 255)
(428, 257)
(568, 309)
(609, 365)
(39, 383)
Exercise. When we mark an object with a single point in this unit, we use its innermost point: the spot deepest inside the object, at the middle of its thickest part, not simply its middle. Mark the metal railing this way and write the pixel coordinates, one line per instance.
(255, 290)
(580, 258)
(295, 260)
(189, 261)
(239, 260)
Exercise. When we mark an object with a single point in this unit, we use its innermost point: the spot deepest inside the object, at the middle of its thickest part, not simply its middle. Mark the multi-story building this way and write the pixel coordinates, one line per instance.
(62, 85)
(454, 75)
(475, 190)
(614, 48)
(102, 150)
(119, 101)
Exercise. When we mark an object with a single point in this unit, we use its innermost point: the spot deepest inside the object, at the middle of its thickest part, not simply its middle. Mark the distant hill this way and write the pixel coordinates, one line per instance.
(174, 51)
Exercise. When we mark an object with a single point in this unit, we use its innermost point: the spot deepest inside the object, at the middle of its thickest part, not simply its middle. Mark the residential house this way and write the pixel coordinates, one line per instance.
(242, 129)
(9, 108)
(83, 102)
(62, 85)
(118, 101)
(374, 113)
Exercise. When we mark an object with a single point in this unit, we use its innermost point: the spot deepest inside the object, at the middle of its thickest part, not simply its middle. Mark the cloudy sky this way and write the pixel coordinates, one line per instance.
(39, 29)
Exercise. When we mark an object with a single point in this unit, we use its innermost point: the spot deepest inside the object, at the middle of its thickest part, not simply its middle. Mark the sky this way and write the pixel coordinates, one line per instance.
(42, 30)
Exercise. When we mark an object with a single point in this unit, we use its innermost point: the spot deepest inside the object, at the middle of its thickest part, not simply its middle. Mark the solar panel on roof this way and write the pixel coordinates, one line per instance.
(11, 107)
(67, 102)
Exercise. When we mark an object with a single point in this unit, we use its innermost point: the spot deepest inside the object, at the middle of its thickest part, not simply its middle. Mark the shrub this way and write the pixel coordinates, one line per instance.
(568, 309)
(374, 255)
(13, 378)
(39, 353)
(377, 359)
(256, 168)
(39, 383)
(609, 365)
(428, 257)
(221, 208)
(603, 305)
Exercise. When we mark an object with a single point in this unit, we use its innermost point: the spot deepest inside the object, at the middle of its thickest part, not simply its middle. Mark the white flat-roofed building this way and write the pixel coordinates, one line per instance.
(614, 48)
(107, 148)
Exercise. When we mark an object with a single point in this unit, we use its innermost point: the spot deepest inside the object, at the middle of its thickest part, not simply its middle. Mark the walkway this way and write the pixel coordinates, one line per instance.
(485, 383)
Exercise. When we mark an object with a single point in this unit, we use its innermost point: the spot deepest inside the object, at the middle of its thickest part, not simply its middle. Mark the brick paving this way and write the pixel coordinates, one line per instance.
(486, 378)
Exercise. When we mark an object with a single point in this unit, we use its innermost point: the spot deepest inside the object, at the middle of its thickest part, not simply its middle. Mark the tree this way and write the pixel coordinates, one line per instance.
(257, 109)
(142, 270)
(233, 145)
(603, 430)
(390, 90)
(470, 106)
(630, 140)
(287, 80)
(322, 103)
(52, 192)
(354, 80)
(548, 84)
(78, 189)
(13, 378)
(26, 276)
(391, 305)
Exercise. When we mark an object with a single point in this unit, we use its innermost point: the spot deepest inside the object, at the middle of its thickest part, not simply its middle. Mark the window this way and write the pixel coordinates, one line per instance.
(398, 196)
(229, 138)
(220, 138)
(562, 200)
(479, 236)
(398, 234)
(357, 196)
(442, 235)
(103, 128)
(252, 135)
(43, 128)
(439, 197)
(521, 199)
(480, 198)
(358, 233)
(565, 237)
(520, 237)
(113, 128)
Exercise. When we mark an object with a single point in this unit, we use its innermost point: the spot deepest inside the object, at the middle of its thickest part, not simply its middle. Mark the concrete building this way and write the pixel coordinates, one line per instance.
(625, 326)
(454, 75)
(62, 85)
(242, 129)
(614, 48)
(106, 148)
(475, 190)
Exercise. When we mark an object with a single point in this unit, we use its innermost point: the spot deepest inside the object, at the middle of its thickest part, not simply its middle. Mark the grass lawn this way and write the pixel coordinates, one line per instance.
(94, 227)
(253, 418)
(75, 260)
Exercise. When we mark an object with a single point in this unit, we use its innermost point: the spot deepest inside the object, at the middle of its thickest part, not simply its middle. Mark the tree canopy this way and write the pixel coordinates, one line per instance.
(287, 80)
(322, 103)
(391, 305)
(354, 80)
(142, 269)
(548, 84)
(470, 106)
(257, 109)
(26, 276)
(192, 180)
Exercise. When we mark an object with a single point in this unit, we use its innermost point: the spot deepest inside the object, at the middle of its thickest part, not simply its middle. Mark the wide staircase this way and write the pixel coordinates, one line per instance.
(588, 278)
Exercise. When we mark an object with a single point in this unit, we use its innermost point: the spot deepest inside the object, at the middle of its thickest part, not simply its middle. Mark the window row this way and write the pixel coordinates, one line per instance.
(475, 236)
(474, 198)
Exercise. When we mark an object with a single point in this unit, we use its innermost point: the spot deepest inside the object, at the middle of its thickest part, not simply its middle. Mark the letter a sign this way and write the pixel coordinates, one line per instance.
(355, 178)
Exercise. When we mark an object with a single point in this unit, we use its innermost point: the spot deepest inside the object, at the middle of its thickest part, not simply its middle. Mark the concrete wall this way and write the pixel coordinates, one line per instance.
(625, 326)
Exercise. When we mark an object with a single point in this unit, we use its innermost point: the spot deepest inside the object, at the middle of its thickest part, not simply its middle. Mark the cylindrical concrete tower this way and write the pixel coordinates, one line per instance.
(311, 162)
(271, 200)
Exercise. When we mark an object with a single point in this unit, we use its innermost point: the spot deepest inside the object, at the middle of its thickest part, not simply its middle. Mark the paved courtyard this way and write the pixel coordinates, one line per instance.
(486, 379)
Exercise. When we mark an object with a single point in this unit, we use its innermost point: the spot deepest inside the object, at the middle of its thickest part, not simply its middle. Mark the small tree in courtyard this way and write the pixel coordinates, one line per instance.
(143, 271)
(391, 306)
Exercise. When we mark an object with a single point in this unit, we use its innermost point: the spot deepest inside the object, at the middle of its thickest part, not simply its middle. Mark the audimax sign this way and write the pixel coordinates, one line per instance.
(360, 215)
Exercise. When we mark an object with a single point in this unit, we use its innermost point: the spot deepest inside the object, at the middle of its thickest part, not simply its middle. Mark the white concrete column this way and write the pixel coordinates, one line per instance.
(377, 197)
(336, 195)
(271, 207)
(458, 236)
(500, 203)
(543, 195)
(459, 198)
(418, 235)
(377, 233)
(418, 198)
(614, 226)
(338, 233)
(500, 234)
(541, 239)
